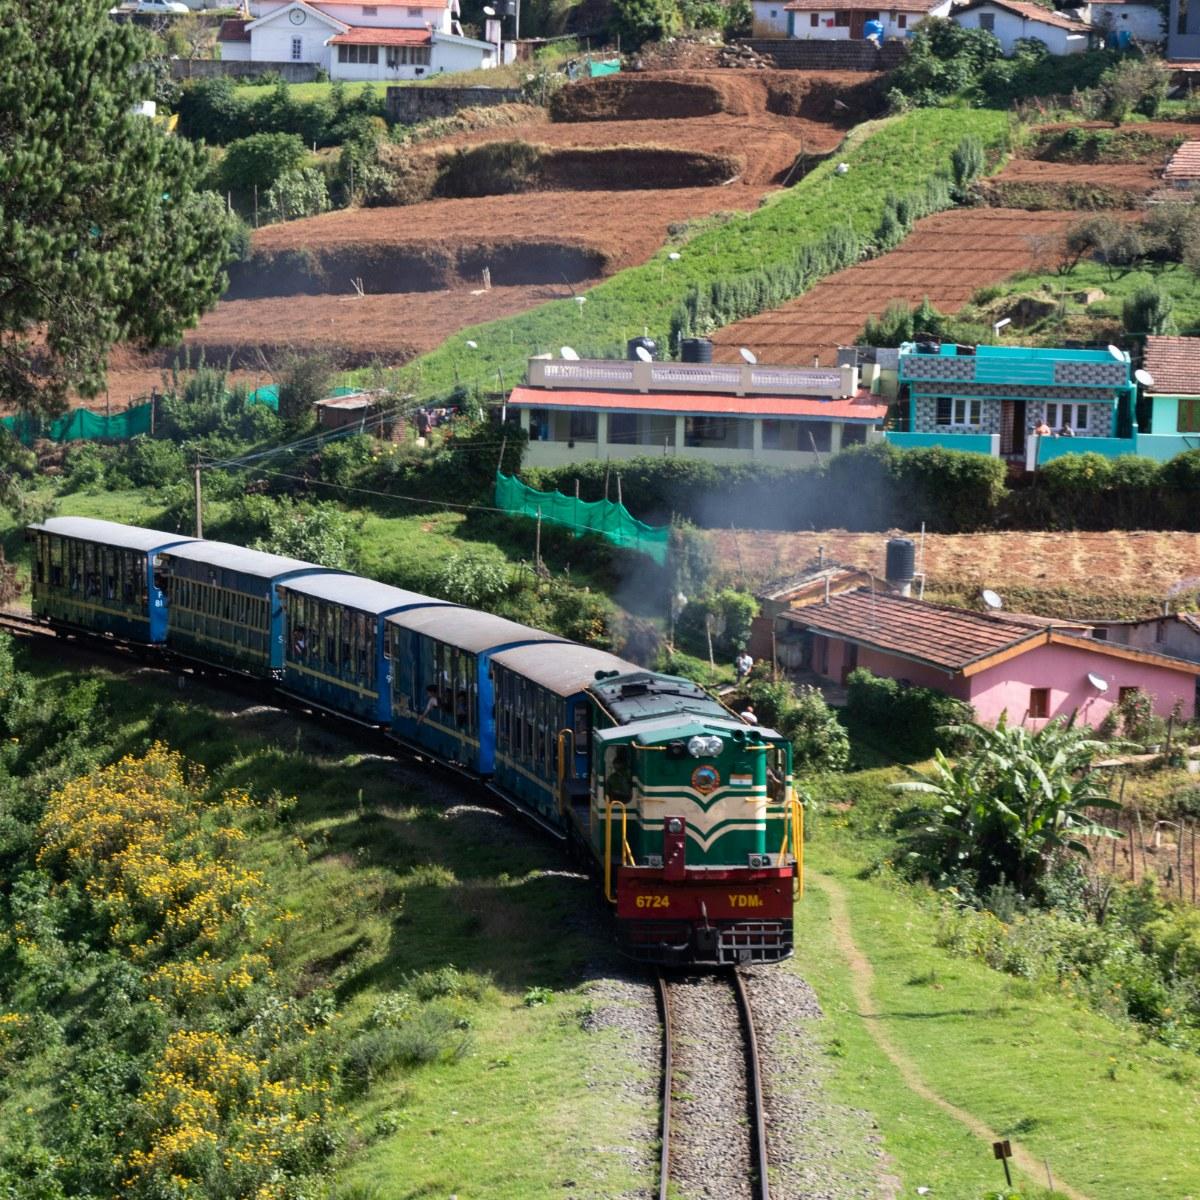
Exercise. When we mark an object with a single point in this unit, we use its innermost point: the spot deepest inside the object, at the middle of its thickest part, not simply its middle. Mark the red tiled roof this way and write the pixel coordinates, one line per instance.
(361, 35)
(949, 638)
(1174, 363)
(1185, 163)
(917, 6)
(1030, 12)
(233, 30)
(858, 408)
(952, 639)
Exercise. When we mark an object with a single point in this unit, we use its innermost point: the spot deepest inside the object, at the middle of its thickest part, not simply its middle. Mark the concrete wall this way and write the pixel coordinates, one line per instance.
(977, 443)
(407, 106)
(1064, 670)
(1163, 635)
(1010, 28)
(206, 68)
(1142, 21)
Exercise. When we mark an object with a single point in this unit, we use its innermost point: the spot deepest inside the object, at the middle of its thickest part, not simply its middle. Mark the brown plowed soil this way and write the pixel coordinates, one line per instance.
(946, 258)
(1129, 176)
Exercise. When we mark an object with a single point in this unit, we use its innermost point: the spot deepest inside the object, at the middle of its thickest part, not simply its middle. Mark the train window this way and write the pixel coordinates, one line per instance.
(581, 726)
(619, 773)
(776, 774)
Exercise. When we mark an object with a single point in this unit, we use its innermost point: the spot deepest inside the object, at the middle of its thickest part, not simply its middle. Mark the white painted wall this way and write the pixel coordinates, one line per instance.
(446, 54)
(235, 51)
(1142, 21)
(390, 16)
(826, 29)
(1010, 28)
(271, 41)
(769, 18)
(461, 54)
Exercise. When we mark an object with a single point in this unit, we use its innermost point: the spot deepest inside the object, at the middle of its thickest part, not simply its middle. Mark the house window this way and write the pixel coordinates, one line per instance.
(297, 49)
(987, 21)
(583, 427)
(902, 21)
(814, 19)
(1039, 702)
(415, 12)
(960, 412)
(1060, 416)
(774, 13)
(370, 10)
(842, 18)
(1188, 420)
(366, 55)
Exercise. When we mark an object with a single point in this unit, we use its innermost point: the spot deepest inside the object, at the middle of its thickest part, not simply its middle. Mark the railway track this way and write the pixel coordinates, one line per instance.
(714, 1137)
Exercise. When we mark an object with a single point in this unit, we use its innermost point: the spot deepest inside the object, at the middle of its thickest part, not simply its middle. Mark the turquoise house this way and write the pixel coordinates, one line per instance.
(990, 399)
(1172, 399)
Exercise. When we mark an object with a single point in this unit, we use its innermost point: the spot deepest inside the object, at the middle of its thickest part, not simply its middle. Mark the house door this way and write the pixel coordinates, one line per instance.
(1012, 427)
(849, 660)
(857, 21)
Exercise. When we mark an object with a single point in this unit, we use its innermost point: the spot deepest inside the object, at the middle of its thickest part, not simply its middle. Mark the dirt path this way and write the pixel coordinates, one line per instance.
(862, 979)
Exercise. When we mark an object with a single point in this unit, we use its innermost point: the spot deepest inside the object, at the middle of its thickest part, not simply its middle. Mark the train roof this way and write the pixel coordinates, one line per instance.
(566, 669)
(683, 725)
(238, 558)
(111, 533)
(645, 695)
(363, 594)
(468, 629)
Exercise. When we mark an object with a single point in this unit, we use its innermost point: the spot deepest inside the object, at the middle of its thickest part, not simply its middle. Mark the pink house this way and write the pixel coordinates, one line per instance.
(995, 663)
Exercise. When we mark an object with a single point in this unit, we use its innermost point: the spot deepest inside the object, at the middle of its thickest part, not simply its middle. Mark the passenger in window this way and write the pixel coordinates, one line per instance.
(432, 704)
(460, 710)
(299, 642)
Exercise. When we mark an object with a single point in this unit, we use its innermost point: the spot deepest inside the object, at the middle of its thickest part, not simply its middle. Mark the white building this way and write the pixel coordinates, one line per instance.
(1143, 22)
(840, 20)
(384, 41)
(1012, 20)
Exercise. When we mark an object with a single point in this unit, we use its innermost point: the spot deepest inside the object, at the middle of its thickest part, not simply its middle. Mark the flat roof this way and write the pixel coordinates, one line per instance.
(567, 669)
(239, 558)
(468, 629)
(363, 594)
(111, 533)
(862, 407)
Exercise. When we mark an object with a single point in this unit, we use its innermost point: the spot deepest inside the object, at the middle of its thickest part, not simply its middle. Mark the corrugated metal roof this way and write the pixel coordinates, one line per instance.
(948, 638)
(233, 30)
(469, 630)
(563, 669)
(111, 533)
(239, 558)
(859, 408)
(1174, 363)
(1184, 164)
(354, 400)
(365, 595)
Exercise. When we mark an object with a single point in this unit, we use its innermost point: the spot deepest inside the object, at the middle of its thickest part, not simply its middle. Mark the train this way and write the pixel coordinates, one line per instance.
(684, 811)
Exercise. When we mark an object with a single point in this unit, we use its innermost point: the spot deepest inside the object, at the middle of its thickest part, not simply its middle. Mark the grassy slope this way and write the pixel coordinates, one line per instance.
(1090, 1096)
(891, 156)
(393, 883)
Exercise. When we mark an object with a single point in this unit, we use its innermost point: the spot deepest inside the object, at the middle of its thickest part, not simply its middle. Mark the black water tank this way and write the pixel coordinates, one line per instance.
(647, 343)
(696, 350)
(901, 560)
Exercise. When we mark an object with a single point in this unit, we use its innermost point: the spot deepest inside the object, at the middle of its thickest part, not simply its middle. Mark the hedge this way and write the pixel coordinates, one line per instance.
(889, 166)
(908, 719)
(863, 488)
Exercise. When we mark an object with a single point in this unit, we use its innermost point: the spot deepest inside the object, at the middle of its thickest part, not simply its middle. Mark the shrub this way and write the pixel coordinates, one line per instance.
(317, 532)
(471, 578)
(1131, 85)
(911, 719)
(639, 21)
(304, 380)
(819, 741)
(1147, 311)
(297, 193)
(729, 612)
(260, 160)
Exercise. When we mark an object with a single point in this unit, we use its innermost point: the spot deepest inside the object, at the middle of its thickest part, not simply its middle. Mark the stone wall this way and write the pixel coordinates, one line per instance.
(408, 105)
(206, 68)
(797, 54)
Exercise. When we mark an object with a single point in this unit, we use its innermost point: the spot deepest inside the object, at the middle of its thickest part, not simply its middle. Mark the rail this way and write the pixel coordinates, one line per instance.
(626, 852)
(793, 828)
(563, 760)
(759, 1184)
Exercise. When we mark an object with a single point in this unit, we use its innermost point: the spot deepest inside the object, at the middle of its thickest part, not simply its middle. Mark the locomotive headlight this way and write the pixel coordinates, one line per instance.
(701, 746)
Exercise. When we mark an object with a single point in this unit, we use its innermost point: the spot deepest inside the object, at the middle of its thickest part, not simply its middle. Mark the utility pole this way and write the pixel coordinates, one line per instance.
(537, 545)
(199, 501)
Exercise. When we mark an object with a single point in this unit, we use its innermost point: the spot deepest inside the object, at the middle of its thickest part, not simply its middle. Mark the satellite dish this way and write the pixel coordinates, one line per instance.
(643, 353)
(1099, 683)
(748, 356)
(674, 256)
(991, 599)
(1144, 377)
(473, 345)
(569, 354)
(842, 168)
(581, 300)
(1117, 353)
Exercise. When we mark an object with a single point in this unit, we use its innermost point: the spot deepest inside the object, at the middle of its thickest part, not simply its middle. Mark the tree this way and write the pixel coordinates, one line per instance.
(304, 381)
(1009, 806)
(260, 160)
(103, 234)
(638, 21)
(296, 194)
(1132, 85)
(1148, 311)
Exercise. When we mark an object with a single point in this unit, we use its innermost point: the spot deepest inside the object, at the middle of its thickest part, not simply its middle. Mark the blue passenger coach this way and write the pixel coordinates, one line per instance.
(335, 652)
(101, 577)
(224, 604)
(442, 682)
(544, 722)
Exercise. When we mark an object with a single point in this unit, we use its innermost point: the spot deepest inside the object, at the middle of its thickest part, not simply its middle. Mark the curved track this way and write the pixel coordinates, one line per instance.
(714, 1142)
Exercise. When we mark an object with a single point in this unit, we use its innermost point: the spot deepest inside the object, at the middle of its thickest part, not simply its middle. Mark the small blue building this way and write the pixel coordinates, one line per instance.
(989, 398)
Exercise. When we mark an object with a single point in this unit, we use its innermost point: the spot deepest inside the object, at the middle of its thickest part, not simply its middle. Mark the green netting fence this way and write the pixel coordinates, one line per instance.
(84, 425)
(605, 517)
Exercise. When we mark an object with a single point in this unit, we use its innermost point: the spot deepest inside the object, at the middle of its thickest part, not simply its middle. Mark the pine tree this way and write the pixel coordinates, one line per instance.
(104, 236)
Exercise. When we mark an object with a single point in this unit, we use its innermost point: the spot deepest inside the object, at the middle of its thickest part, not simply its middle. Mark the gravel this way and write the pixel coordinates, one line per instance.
(710, 1138)
(817, 1149)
